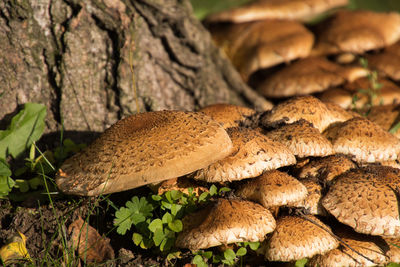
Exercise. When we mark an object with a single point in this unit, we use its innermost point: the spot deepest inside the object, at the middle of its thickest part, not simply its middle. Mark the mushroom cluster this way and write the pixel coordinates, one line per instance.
(312, 178)
(296, 185)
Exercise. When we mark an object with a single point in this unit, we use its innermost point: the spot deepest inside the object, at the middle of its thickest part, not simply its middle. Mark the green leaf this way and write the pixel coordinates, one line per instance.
(137, 239)
(167, 244)
(392, 264)
(26, 127)
(158, 236)
(199, 261)
(176, 225)
(224, 189)
(175, 194)
(174, 255)
(254, 245)
(23, 185)
(213, 190)
(301, 262)
(203, 196)
(229, 254)
(155, 224)
(207, 254)
(156, 197)
(6, 185)
(166, 205)
(175, 209)
(4, 169)
(241, 252)
(167, 218)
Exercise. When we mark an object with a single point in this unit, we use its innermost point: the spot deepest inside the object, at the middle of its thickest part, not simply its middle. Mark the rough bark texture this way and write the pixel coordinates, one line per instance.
(77, 56)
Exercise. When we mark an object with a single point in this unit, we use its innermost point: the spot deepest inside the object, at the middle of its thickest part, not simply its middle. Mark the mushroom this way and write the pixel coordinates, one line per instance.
(339, 114)
(357, 31)
(312, 202)
(363, 140)
(386, 116)
(296, 238)
(307, 76)
(361, 93)
(271, 189)
(302, 139)
(344, 256)
(228, 115)
(142, 149)
(308, 108)
(366, 200)
(276, 9)
(262, 44)
(386, 63)
(394, 249)
(224, 222)
(253, 154)
(327, 168)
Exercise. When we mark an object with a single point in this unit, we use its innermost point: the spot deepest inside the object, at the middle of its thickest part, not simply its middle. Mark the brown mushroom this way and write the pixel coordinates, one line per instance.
(227, 115)
(224, 222)
(386, 116)
(262, 44)
(142, 149)
(272, 188)
(253, 154)
(295, 238)
(357, 31)
(363, 140)
(302, 139)
(276, 9)
(366, 200)
(307, 76)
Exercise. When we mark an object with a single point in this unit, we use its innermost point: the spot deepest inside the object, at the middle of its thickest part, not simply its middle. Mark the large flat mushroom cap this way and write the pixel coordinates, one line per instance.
(365, 200)
(302, 139)
(276, 9)
(296, 238)
(357, 32)
(339, 114)
(363, 140)
(387, 64)
(272, 188)
(343, 256)
(308, 108)
(142, 149)
(253, 154)
(262, 44)
(225, 222)
(394, 249)
(227, 115)
(307, 76)
(327, 168)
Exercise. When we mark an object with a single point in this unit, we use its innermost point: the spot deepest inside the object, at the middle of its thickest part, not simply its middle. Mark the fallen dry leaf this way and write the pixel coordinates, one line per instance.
(87, 241)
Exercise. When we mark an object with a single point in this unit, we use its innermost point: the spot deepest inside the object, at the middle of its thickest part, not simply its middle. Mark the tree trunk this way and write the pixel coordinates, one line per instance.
(83, 59)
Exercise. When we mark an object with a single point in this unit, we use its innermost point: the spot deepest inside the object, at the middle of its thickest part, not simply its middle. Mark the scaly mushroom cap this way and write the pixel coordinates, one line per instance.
(276, 9)
(295, 238)
(343, 256)
(307, 76)
(225, 222)
(142, 149)
(339, 114)
(312, 203)
(308, 108)
(302, 139)
(327, 168)
(386, 117)
(253, 154)
(227, 115)
(338, 96)
(365, 199)
(363, 140)
(357, 31)
(262, 44)
(272, 188)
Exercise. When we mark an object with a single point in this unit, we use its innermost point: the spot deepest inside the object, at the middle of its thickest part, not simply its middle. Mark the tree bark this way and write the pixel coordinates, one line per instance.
(83, 59)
